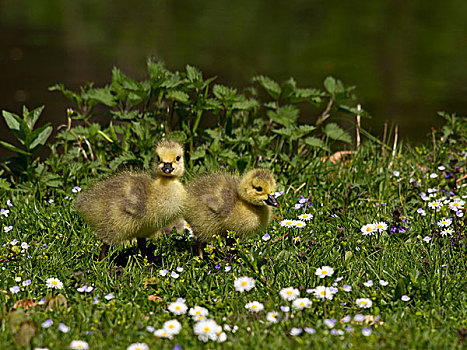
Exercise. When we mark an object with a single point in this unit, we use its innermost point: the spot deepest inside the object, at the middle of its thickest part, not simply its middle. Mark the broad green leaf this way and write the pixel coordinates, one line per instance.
(12, 120)
(283, 131)
(330, 85)
(31, 117)
(156, 70)
(125, 115)
(101, 95)
(42, 137)
(199, 153)
(286, 116)
(335, 132)
(272, 87)
(14, 148)
(179, 96)
(316, 143)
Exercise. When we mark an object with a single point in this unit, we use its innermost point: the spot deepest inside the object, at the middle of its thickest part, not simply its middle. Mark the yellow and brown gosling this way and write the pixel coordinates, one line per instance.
(135, 204)
(221, 202)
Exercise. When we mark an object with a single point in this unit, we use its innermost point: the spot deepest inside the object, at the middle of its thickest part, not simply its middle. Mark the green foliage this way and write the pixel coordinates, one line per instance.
(30, 139)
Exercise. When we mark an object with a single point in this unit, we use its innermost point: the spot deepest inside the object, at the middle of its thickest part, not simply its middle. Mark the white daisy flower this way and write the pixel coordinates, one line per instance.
(272, 317)
(433, 175)
(381, 226)
(305, 217)
(301, 303)
(221, 337)
(364, 303)
(289, 293)
(287, 223)
(448, 231)
(254, 306)
(368, 229)
(456, 204)
(441, 167)
(444, 222)
(299, 223)
(207, 330)
(322, 292)
(54, 283)
(172, 327)
(243, 284)
(162, 333)
(138, 346)
(436, 205)
(79, 345)
(177, 308)
(198, 311)
(324, 271)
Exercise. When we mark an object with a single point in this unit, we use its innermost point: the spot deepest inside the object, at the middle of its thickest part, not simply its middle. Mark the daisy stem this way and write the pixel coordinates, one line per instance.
(324, 309)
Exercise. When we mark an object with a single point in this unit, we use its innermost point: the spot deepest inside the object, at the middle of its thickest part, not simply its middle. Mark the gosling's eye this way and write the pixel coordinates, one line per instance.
(158, 159)
(258, 188)
(177, 159)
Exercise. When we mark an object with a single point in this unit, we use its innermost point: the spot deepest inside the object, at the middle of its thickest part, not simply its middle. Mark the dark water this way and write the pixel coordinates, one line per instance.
(407, 58)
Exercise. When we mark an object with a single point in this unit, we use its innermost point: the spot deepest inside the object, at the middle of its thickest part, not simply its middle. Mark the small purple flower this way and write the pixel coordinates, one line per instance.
(47, 323)
(330, 322)
(359, 318)
(4, 212)
(14, 242)
(8, 202)
(109, 296)
(217, 267)
(285, 308)
(7, 228)
(26, 283)
(76, 189)
(309, 330)
(366, 331)
(63, 328)
(177, 347)
(266, 237)
(14, 289)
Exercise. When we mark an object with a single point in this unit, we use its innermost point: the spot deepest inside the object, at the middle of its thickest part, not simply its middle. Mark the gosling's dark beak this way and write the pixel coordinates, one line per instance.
(271, 201)
(167, 168)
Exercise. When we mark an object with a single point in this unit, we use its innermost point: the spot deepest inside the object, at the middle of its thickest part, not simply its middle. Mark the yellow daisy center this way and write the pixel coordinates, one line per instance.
(435, 203)
(171, 326)
(302, 303)
(323, 292)
(55, 283)
(324, 272)
(455, 204)
(363, 302)
(198, 313)
(207, 329)
(288, 223)
(254, 307)
(289, 292)
(177, 307)
(368, 229)
(244, 283)
(274, 315)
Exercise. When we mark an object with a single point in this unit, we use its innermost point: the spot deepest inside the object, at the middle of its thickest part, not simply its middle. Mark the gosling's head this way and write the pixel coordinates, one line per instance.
(169, 159)
(257, 187)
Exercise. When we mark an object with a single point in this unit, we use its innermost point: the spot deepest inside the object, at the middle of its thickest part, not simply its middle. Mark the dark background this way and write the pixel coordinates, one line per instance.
(406, 58)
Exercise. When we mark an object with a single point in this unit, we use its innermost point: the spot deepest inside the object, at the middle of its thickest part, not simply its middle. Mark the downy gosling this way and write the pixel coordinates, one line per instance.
(134, 204)
(221, 202)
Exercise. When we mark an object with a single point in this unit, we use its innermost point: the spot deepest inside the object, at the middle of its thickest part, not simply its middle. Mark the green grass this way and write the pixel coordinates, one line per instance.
(345, 197)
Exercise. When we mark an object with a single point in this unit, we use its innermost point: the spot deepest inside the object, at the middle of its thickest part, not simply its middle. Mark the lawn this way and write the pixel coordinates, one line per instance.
(399, 285)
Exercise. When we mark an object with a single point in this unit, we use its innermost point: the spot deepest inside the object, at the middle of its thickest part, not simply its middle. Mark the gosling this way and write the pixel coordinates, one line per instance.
(135, 204)
(221, 202)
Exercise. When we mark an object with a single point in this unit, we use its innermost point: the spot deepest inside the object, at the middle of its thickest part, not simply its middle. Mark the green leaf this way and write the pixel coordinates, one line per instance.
(286, 115)
(43, 134)
(288, 87)
(179, 96)
(272, 87)
(14, 148)
(335, 132)
(245, 105)
(193, 73)
(316, 143)
(330, 85)
(73, 96)
(12, 120)
(124, 158)
(199, 153)
(32, 117)
(101, 95)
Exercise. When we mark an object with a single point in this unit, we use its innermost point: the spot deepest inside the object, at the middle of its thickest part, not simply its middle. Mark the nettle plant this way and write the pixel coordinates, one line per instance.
(220, 126)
